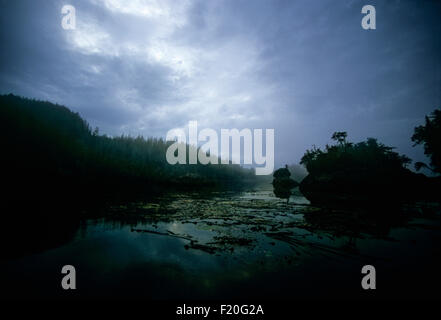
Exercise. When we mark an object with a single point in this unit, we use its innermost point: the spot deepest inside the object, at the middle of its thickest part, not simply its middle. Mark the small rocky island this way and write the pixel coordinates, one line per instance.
(283, 184)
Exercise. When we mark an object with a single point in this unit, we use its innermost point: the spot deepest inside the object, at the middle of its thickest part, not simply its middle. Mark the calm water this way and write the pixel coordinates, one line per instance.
(224, 246)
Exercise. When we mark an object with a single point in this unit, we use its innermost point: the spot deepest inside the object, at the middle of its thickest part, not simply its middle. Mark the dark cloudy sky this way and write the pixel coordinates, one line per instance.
(304, 68)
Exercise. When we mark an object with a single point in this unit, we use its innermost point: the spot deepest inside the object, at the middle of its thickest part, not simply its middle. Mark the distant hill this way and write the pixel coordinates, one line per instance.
(50, 152)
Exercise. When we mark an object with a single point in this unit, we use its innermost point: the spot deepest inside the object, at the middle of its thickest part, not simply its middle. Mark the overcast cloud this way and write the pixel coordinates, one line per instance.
(304, 68)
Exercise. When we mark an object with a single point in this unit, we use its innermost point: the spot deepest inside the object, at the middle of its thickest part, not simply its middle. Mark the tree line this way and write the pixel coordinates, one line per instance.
(51, 151)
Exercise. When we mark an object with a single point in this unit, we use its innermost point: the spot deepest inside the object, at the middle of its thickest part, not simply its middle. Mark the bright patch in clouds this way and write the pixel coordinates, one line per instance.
(179, 59)
(153, 9)
(215, 83)
(88, 38)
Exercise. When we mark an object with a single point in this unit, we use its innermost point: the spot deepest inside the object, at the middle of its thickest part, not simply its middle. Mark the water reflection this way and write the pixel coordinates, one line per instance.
(230, 246)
